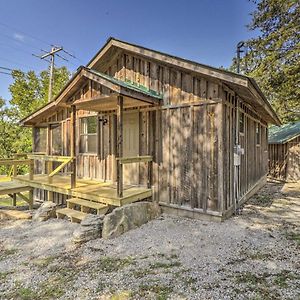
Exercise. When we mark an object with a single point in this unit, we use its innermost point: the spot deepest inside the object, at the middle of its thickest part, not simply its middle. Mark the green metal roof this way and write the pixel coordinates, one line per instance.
(281, 135)
(128, 84)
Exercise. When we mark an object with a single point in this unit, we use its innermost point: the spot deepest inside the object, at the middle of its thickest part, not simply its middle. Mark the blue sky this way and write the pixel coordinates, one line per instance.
(206, 31)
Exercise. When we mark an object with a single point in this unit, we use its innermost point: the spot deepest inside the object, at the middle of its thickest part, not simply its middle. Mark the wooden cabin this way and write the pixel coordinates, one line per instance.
(284, 152)
(149, 125)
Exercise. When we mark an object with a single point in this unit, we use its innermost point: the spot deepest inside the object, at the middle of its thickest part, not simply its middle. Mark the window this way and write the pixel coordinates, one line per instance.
(258, 132)
(56, 139)
(40, 139)
(88, 135)
(242, 122)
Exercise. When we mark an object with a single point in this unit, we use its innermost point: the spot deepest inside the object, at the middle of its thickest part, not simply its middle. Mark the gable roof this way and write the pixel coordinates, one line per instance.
(122, 87)
(283, 134)
(246, 85)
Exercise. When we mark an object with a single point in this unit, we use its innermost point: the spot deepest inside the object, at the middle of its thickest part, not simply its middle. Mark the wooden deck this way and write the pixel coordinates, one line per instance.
(11, 187)
(88, 189)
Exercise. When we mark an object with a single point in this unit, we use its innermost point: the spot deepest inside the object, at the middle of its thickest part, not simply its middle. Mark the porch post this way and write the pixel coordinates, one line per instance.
(49, 164)
(73, 146)
(120, 146)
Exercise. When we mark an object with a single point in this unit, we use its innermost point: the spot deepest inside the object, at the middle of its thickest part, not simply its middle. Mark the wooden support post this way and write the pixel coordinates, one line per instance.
(14, 199)
(120, 146)
(49, 164)
(150, 174)
(73, 146)
(30, 197)
(31, 170)
(15, 170)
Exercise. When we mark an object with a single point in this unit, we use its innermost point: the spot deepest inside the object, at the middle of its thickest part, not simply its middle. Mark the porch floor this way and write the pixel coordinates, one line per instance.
(87, 189)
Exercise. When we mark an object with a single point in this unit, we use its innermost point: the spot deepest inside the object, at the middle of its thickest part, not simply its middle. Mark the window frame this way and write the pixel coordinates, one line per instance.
(40, 139)
(84, 133)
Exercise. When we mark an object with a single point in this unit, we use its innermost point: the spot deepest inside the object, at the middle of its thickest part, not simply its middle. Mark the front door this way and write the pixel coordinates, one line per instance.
(131, 146)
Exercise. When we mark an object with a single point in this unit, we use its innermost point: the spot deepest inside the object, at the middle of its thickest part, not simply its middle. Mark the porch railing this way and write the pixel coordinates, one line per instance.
(134, 159)
(19, 159)
(50, 171)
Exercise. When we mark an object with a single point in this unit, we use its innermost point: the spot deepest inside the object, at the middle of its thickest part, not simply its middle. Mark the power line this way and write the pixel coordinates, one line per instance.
(18, 41)
(15, 62)
(30, 35)
(4, 68)
(5, 73)
(37, 39)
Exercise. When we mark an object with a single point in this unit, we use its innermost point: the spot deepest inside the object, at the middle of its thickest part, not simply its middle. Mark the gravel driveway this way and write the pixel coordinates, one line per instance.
(254, 255)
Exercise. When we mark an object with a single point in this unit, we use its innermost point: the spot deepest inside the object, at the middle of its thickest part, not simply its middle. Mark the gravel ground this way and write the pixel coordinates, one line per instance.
(254, 255)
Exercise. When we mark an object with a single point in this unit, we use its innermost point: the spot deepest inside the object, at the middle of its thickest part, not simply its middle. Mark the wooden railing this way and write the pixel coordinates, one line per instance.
(18, 160)
(49, 159)
(134, 159)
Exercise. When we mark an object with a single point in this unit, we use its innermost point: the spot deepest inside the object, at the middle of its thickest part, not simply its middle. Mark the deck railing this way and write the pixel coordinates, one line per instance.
(49, 160)
(134, 159)
(19, 159)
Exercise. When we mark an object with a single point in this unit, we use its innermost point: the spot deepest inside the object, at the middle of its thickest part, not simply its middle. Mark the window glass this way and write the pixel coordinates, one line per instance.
(91, 125)
(56, 139)
(242, 122)
(40, 139)
(88, 135)
(92, 143)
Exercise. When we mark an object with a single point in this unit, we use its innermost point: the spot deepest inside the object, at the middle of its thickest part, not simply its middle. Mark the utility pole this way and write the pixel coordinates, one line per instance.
(51, 54)
(239, 46)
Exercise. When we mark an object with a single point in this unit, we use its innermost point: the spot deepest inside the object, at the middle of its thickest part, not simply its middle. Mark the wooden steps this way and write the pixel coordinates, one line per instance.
(85, 208)
(86, 205)
(74, 215)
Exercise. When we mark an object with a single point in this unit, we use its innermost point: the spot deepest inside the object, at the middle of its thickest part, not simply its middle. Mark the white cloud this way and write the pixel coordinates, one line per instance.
(19, 37)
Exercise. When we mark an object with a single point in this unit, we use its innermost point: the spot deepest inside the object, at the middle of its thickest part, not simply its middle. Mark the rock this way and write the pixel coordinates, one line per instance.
(89, 229)
(46, 211)
(92, 220)
(14, 215)
(128, 217)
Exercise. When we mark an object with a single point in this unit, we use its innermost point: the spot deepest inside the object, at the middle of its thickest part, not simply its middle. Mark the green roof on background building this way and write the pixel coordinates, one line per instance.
(281, 135)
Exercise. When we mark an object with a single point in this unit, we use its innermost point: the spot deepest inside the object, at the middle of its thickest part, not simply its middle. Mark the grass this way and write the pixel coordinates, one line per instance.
(113, 264)
(251, 278)
(282, 278)
(7, 201)
(4, 275)
(7, 252)
(293, 236)
(44, 262)
(165, 265)
(161, 291)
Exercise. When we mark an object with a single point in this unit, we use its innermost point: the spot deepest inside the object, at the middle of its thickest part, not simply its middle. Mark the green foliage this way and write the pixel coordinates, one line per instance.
(29, 91)
(273, 58)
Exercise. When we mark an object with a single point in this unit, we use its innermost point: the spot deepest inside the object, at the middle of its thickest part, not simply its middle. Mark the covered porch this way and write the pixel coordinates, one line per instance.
(101, 95)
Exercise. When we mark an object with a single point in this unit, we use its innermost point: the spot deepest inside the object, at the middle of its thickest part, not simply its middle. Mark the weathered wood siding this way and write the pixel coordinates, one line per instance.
(191, 136)
(284, 160)
(253, 163)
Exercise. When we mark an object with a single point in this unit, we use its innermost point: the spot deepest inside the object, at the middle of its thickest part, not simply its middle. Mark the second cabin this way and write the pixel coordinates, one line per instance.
(189, 136)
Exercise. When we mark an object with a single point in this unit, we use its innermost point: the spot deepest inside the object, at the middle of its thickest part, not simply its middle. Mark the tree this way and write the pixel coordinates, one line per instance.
(29, 92)
(273, 57)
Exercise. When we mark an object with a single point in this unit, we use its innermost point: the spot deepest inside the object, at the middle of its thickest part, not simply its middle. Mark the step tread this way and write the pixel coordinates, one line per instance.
(71, 213)
(87, 203)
